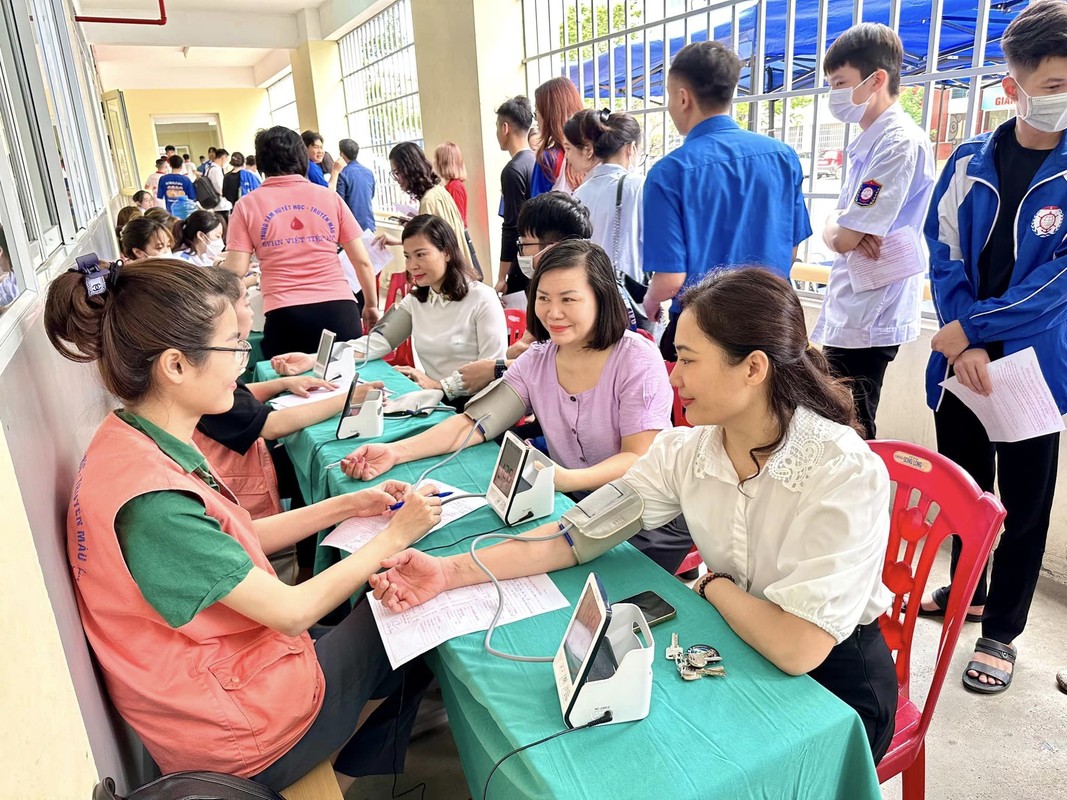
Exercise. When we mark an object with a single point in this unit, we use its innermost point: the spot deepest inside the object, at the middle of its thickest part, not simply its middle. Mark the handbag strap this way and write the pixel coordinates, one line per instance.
(618, 222)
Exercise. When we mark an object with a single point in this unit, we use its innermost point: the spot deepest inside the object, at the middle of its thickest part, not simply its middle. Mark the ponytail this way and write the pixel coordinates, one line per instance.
(606, 132)
(153, 306)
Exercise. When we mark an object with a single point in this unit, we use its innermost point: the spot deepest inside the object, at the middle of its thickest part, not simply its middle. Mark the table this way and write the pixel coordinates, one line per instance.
(758, 733)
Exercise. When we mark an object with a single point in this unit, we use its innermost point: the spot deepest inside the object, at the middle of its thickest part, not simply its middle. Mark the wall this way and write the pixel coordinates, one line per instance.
(903, 414)
(197, 141)
(241, 113)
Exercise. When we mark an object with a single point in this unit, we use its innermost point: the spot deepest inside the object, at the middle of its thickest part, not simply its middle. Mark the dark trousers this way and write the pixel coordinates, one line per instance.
(356, 670)
(1025, 473)
(667, 545)
(296, 329)
(865, 368)
(860, 672)
(666, 342)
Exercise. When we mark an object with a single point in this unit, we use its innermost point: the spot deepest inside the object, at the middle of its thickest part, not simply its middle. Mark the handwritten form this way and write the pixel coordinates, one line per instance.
(902, 256)
(1020, 406)
(461, 611)
(354, 532)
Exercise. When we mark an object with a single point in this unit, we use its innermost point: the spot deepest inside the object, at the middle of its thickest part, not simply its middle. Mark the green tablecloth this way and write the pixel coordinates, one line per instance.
(757, 733)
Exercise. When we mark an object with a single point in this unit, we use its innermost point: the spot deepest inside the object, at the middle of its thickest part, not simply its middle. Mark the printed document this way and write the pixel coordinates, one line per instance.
(902, 256)
(460, 611)
(378, 252)
(1020, 406)
(354, 532)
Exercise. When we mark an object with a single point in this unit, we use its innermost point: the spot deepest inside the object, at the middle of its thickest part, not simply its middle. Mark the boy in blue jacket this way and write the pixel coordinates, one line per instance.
(998, 271)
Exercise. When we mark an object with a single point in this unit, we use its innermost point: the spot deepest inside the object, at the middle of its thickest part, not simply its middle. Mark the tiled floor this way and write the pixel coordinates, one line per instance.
(1004, 747)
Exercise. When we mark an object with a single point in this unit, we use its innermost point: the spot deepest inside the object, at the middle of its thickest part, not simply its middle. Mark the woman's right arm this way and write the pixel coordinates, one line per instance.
(237, 262)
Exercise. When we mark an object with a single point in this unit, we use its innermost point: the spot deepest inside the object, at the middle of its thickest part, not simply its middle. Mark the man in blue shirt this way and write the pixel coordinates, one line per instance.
(355, 184)
(726, 197)
(175, 186)
(313, 142)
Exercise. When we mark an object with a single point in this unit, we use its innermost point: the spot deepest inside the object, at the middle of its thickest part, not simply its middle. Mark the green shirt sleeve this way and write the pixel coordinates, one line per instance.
(180, 558)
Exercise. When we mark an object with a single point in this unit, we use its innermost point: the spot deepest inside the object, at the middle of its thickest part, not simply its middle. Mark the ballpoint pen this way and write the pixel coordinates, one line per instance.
(397, 506)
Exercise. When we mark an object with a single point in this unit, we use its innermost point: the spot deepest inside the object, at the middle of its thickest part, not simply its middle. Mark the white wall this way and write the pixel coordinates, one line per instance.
(903, 414)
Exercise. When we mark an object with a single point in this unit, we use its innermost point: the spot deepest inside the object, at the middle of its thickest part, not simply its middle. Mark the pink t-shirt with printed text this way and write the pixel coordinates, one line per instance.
(293, 227)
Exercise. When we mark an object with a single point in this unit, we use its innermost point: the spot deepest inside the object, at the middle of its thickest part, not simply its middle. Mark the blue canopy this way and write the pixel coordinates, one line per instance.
(958, 23)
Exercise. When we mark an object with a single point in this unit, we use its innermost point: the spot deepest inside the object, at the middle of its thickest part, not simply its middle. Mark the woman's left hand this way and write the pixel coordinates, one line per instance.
(419, 377)
(304, 385)
(375, 502)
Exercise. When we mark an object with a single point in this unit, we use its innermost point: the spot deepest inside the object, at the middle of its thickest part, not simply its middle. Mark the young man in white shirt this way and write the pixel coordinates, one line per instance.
(151, 184)
(215, 174)
(887, 186)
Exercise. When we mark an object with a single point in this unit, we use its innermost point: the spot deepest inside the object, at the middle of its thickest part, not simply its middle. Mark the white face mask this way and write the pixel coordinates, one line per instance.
(163, 254)
(1046, 113)
(526, 265)
(841, 106)
(214, 249)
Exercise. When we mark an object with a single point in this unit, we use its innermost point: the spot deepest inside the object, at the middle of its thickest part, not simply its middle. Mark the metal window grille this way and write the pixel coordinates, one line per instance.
(381, 91)
(618, 52)
(281, 98)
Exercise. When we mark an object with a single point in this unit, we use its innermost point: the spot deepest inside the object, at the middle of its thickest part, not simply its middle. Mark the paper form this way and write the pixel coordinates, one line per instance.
(1020, 406)
(903, 255)
(378, 252)
(460, 611)
(354, 532)
(293, 400)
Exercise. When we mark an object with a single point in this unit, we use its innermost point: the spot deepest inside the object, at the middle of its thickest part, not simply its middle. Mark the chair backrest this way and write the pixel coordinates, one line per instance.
(398, 287)
(678, 415)
(933, 498)
(516, 319)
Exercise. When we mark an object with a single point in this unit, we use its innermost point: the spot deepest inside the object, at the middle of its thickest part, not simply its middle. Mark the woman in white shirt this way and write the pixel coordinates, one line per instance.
(451, 316)
(613, 194)
(200, 238)
(787, 504)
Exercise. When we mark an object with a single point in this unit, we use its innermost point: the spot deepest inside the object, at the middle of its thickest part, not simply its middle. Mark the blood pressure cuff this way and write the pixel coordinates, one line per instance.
(501, 403)
(391, 331)
(412, 404)
(608, 516)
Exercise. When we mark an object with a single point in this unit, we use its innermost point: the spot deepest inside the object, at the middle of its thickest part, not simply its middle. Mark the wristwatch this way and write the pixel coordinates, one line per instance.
(709, 578)
(499, 369)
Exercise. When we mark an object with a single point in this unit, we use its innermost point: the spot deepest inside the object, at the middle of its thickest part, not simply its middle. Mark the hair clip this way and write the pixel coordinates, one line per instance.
(97, 279)
(603, 114)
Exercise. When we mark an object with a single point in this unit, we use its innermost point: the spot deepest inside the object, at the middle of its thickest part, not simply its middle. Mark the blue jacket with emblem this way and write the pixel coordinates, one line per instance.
(1033, 312)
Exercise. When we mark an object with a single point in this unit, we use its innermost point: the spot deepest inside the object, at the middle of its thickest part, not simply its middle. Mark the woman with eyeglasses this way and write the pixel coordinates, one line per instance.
(235, 441)
(414, 174)
(205, 653)
(606, 144)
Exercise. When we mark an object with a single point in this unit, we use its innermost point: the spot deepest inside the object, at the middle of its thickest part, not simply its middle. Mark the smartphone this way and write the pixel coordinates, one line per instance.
(654, 607)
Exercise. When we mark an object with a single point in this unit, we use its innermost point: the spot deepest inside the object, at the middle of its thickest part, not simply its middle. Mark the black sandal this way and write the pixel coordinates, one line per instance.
(991, 647)
(940, 599)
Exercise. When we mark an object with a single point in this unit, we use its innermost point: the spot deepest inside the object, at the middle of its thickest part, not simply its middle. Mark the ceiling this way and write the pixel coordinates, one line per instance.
(164, 57)
(151, 7)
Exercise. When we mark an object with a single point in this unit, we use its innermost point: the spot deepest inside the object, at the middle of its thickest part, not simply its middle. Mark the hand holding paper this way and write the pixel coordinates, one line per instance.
(902, 255)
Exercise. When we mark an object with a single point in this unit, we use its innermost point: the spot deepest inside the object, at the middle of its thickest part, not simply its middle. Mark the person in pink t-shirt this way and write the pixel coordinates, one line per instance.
(294, 228)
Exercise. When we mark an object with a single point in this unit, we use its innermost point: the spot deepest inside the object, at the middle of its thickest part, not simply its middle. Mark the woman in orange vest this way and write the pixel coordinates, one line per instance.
(206, 654)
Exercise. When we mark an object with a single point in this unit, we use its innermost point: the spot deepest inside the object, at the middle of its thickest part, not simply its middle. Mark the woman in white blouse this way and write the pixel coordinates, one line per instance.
(787, 504)
(200, 238)
(607, 142)
(451, 316)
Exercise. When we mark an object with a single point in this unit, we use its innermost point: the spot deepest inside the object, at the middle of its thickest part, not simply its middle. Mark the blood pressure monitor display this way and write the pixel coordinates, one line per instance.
(582, 634)
(512, 455)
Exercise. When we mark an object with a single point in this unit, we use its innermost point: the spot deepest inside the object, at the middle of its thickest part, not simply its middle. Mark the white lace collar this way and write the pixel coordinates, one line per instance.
(791, 464)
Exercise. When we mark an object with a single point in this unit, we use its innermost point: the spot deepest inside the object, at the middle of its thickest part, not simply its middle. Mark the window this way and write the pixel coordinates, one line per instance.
(617, 52)
(281, 97)
(382, 92)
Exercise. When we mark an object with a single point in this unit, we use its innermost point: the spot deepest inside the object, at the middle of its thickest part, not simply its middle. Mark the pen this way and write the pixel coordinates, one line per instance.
(397, 506)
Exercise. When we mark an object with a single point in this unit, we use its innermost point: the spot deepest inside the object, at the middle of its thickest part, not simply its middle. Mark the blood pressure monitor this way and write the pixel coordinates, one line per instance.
(364, 420)
(521, 487)
(322, 357)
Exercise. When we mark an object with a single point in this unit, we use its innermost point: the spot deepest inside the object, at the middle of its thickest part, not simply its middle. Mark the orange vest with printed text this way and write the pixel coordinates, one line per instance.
(222, 692)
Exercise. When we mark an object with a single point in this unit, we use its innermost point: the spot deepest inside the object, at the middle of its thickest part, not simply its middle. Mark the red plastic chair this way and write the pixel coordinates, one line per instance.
(924, 478)
(516, 319)
(399, 286)
(691, 561)
(678, 417)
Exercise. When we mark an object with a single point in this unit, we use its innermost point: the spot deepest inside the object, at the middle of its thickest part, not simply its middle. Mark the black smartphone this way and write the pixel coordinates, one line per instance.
(654, 607)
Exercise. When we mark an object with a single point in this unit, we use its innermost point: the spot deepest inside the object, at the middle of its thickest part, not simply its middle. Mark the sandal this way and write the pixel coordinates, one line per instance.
(940, 599)
(991, 647)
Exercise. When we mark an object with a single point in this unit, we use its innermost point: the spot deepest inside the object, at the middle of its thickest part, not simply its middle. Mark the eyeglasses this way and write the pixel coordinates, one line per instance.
(394, 174)
(241, 353)
(519, 243)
